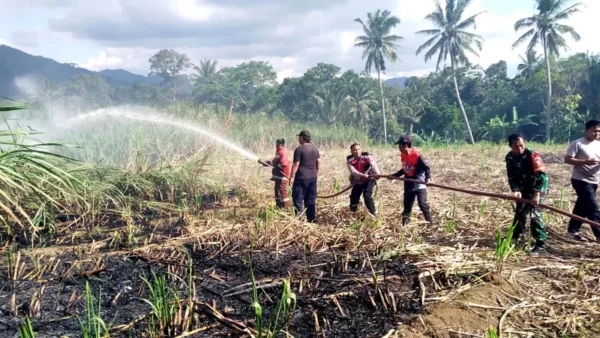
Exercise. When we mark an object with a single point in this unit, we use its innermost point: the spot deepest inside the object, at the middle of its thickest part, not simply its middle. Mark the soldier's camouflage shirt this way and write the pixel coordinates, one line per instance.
(526, 172)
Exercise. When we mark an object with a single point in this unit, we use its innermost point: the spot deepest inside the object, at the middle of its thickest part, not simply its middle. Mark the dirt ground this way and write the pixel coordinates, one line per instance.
(353, 276)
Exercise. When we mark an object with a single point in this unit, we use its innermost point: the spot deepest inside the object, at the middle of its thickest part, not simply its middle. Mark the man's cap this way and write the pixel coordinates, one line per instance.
(404, 140)
(304, 133)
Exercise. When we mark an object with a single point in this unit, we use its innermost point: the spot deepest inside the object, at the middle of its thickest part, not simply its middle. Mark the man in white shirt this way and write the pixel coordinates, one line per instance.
(584, 155)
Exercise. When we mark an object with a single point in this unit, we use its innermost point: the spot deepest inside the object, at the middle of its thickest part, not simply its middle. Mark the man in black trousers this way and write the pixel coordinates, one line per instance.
(362, 169)
(304, 175)
(584, 155)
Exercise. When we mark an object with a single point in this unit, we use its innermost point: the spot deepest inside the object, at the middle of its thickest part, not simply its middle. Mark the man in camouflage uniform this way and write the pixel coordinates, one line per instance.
(527, 180)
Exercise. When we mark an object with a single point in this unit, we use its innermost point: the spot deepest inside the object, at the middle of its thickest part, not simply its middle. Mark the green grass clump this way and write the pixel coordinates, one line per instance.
(94, 326)
(25, 329)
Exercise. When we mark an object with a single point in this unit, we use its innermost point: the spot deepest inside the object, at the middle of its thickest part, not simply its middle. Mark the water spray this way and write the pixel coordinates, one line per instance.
(156, 118)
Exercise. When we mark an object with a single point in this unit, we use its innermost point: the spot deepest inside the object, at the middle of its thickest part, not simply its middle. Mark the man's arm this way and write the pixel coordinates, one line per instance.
(295, 165)
(423, 165)
(294, 170)
(570, 156)
(318, 164)
(511, 174)
(398, 173)
(374, 168)
(580, 161)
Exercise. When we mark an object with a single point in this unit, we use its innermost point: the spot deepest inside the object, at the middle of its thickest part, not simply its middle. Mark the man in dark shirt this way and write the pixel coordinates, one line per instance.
(304, 176)
(415, 168)
(528, 180)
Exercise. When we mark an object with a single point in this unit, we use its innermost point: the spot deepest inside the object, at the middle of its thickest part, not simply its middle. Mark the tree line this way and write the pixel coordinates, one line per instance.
(548, 99)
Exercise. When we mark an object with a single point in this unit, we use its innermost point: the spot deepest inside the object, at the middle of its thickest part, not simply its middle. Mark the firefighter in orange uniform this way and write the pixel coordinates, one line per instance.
(413, 167)
(281, 173)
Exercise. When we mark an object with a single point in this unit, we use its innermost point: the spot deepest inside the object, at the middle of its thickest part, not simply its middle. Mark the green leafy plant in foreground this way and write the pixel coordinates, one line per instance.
(94, 326)
(504, 247)
(164, 302)
(281, 314)
(31, 179)
(25, 329)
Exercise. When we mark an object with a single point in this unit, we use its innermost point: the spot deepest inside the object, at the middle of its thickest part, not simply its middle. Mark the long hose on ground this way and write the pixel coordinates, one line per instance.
(471, 192)
(487, 194)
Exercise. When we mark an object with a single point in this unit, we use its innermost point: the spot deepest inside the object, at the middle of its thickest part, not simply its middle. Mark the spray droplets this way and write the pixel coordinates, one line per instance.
(148, 117)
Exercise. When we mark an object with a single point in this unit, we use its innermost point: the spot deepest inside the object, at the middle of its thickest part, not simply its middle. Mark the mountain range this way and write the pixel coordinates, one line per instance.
(16, 64)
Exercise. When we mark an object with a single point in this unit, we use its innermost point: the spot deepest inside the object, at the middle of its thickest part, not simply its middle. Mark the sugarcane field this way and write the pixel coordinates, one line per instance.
(200, 248)
(292, 169)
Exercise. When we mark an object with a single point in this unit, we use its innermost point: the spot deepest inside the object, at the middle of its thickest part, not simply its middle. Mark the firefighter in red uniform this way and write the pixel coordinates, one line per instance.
(281, 173)
(362, 168)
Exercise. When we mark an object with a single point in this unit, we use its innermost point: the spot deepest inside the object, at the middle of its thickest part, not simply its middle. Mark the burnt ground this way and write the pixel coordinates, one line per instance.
(337, 288)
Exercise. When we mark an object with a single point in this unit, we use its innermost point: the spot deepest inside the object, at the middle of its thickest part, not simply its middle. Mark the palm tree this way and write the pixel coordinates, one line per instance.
(207, 69)
(358, 100)
(378, 46)
(329, 105)
(528, 64)
(413, 104)
(544, 27)
(450, 40)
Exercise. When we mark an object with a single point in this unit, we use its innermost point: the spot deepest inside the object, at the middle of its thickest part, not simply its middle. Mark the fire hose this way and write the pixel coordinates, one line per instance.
(471, 192)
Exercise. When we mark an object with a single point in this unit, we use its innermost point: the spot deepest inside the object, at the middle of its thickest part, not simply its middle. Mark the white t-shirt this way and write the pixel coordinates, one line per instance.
(584, 149)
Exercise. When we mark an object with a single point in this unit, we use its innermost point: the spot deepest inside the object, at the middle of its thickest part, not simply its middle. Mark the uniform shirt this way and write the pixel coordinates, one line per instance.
(414, 167)
(281, 165)
(365, 164)
(584, 149)
(526, 172)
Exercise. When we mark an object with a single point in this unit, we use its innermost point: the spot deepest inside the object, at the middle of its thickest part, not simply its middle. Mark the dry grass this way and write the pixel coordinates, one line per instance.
(553, 295)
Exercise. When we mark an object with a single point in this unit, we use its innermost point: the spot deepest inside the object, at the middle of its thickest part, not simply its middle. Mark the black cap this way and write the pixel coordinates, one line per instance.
(304, 133)
(404, 140)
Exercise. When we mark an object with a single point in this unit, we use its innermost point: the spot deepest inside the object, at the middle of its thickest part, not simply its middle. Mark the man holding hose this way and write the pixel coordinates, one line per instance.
(414, 168)
(362, 167)
(527, 179)
(281, 173)
(303, 179)
(584, 155)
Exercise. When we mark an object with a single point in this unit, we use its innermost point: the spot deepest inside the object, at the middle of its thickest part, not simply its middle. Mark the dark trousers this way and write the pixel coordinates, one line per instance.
(586, 205)
(305, 191)
(537, 225)
(366, 190)
(409, 201)
(282, 199)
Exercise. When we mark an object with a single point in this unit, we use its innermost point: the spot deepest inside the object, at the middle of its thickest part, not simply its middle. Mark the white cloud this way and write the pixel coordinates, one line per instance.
(104, 61)
(292, 36)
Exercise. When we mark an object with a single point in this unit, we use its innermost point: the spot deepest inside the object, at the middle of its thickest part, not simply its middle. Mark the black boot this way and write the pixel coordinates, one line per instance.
(405, 220)
(538, 249)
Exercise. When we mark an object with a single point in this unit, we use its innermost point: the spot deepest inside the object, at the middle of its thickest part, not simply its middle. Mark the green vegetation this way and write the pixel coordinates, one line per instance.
(138, 195)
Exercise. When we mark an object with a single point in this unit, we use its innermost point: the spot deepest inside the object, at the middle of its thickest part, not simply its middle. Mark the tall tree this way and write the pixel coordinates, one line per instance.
(544, 27)
(358, 100)
(168, 64)
(411, 102)
(450, 40)
(206, 69)
(378, 46)
(528, 63)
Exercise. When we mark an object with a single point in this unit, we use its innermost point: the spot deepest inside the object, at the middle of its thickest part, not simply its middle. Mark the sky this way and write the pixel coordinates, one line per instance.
(292, 35)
